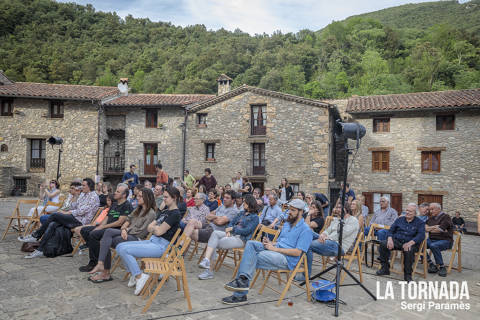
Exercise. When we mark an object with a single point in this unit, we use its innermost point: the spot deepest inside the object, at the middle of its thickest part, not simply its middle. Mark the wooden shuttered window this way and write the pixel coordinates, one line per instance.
(151, 119)
(430, 198)
(395, 200)
(430, 161)
(368, 200)
(381, 125)
(381, 161)
(445, 122)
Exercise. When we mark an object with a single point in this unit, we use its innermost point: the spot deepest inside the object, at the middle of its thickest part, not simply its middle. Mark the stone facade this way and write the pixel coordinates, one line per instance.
(78, 128)
(458, 181)
(297, 141)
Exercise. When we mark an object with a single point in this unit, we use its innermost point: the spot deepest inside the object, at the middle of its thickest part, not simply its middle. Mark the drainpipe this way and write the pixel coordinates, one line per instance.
(184, 137)
(100, 110)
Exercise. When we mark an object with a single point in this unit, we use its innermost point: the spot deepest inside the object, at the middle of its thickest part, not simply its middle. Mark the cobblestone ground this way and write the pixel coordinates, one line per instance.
(54, 289)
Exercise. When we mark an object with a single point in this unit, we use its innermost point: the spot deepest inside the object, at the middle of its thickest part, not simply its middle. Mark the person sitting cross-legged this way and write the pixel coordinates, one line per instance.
(116, 216)
(440, 237)
(294, 239)
(327, 243)
(406, 234)
(133, 229)
(239, 230)
(163, 229)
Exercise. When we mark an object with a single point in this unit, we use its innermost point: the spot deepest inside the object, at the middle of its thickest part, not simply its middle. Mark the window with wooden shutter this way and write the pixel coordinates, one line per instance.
(56, 109)
(380, 161)
(396, 202)
(6, 108)
(446, 122)
(151, 120)
(381, 125)
(210, 151)
(368, 200)
(258, 120)
(429, 198)
(430, 161)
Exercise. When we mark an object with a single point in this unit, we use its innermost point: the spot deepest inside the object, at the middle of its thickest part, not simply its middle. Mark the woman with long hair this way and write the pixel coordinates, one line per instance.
(238, 232)
(162, 229)
(286, 191)
(110, 200)
(315, 218)
(189, 197)
(356, 207)
(133, 229)
(133, 200)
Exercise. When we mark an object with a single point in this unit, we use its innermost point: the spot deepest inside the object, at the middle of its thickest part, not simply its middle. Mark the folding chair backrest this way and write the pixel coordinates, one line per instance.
(326, 224)
(269, 231)
(95, 216)
(171, 244)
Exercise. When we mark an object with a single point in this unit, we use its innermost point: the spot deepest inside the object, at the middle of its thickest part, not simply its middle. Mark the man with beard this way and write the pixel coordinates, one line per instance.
(294, 240)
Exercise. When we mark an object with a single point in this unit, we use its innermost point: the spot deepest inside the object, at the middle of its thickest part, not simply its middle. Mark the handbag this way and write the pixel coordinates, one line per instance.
(30, 246)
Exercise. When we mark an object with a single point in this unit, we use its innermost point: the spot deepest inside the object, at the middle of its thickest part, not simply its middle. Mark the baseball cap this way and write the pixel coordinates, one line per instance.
(297, 203)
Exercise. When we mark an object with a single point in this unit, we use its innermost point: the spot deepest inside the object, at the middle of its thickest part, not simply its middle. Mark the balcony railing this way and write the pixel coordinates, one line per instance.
(37, 163)
(113, 164)
(256, 167)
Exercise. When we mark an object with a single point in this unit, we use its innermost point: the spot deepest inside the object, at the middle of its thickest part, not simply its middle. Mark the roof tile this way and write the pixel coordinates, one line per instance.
(143, 99)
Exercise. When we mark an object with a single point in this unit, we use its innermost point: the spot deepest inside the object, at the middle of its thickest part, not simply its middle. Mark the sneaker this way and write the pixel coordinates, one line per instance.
(132, 282)
(141, 283)
(205, 275)
(83, 247)
(239, 284)
(383, 272)
(205, 264)
(35, 254)
(235, 300)
(407, 277)
(28, 238)
(86, 268)
(432, 268)
(442, 271)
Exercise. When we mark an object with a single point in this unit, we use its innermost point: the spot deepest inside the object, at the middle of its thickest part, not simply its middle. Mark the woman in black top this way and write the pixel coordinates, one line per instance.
(247, 187)
(315, 218)
(286, 191)
(163, 229)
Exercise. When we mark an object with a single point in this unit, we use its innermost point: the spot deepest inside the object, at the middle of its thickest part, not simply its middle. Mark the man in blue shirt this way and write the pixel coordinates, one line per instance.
(294, 240)
(131, 178)
(271, 213)
(406, 234)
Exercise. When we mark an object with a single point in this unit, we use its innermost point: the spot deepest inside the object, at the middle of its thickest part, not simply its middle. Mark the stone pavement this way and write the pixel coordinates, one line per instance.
(47, 288)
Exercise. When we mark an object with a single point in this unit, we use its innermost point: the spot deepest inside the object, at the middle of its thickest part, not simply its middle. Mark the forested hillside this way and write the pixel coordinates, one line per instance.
(45, 41)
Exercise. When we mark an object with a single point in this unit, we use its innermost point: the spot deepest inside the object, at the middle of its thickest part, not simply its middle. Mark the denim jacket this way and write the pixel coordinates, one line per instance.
(244, 225)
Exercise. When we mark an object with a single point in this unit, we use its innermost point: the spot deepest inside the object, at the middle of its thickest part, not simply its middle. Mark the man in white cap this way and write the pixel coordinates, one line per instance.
(294, 240)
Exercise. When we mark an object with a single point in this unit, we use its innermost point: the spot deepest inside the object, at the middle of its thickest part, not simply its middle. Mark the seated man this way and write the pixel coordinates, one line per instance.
(406, 234)
(87, 206)
(239, 231)
(459, 223)
(424, 211)
(440, 237)
(327, 242)
(294, 239)
(116, 216)
(158, 192)
(385, 216)
(271, 213)
(215, 220)
(196, 216)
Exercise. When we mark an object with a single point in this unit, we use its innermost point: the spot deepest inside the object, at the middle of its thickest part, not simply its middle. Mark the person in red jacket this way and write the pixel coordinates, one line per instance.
(162, 176)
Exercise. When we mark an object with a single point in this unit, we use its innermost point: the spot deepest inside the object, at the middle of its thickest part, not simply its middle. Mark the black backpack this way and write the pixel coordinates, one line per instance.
(60, 243)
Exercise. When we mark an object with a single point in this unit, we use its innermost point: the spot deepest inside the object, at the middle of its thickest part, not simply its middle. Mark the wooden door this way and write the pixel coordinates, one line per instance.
(368, 200)
(396, 202)
(150, 158)
(430, 198)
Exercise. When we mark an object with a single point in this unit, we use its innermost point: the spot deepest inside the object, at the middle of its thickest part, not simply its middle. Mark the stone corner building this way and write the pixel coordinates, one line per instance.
(420, 147)
(266, 136)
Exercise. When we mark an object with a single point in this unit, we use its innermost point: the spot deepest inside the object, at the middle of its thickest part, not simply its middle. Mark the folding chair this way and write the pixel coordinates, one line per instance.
(456, 250)
(258, 237)
(326, 224)
(420, 254)
(300, 267)
(368, 239)
(116, 259)
(34, 220)
(18, 217)
(354, 255)
(79, 239)
(237, 253)
(172, 265)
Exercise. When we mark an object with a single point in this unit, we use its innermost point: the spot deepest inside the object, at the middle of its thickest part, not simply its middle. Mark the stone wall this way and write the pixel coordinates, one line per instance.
(78, 129)
(459, 177)
(296, 143)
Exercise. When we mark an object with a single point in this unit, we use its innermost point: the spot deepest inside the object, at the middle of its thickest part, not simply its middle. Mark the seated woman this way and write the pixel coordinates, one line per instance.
(49, 192)
(100, 218)
(315, 218)
(357, 213)
(134, 229)
(163, 230)
(189, 198)
(238, 232)
(133, 200)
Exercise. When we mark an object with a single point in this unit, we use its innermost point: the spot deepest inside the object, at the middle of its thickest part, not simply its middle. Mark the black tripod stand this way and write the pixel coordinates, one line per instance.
(339, 265)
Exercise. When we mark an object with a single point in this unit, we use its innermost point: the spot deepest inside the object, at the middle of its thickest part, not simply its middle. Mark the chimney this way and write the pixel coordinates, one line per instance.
(224, 83)
(123, 86)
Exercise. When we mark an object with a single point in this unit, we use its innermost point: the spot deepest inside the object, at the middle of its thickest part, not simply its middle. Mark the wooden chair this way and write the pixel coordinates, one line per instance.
(371, 236)
(79, 240)
(34, 220)
(356, 254)
(456, 250)
(300, 267)
(420, 254)
(326, 224)
(116, 259)
(19, 218)
(172, 265)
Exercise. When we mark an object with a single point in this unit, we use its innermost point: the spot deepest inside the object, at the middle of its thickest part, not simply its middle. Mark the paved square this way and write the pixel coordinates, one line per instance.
(47, 288)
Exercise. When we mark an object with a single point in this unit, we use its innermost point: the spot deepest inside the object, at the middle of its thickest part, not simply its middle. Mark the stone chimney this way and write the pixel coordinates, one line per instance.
(224, 83)
(123, 86)
(3, 79)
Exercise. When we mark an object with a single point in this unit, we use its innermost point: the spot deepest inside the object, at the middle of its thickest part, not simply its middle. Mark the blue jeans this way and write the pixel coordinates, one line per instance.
(325, 212)
(329, 249)
(43, 219)
(182, 225)
(380, 234)
(255, 256)
(437, 246)
(131, 250)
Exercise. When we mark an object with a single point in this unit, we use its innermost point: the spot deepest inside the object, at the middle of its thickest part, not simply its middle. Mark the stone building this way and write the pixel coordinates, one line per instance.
(265, 135)
(33, 112)
(420, 147)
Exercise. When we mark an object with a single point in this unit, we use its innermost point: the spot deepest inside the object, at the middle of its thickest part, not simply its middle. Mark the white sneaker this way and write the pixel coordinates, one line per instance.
(206, 275)
(35, 254)
(141, 283)
(28, 238)
(132, 282)
(205, 264)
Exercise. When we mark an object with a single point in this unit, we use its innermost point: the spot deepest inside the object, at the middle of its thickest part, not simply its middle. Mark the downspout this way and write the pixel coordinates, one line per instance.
(100, 110)
(184, 136)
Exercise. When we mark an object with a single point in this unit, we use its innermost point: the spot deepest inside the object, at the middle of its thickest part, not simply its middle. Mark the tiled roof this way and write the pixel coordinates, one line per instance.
(415, 101)
(56, 91)
(142, 99)
(224, 77)
(265, 92)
